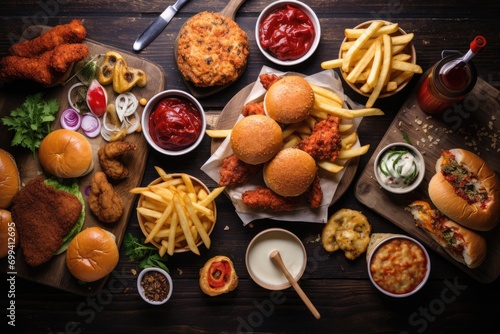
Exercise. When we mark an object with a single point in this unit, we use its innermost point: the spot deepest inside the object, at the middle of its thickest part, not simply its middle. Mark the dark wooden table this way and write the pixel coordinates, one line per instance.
(450, 302)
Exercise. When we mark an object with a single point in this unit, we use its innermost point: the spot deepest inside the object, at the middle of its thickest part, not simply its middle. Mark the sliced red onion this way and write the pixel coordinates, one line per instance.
(70, 119)
(91, 125)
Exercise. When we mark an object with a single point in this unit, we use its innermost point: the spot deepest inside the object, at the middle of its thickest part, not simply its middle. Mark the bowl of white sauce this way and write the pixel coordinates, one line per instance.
(260, 267)
(399, 168)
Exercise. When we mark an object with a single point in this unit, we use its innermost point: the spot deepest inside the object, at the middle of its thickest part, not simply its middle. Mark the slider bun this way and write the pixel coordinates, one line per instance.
(474, 216)
(8, 233)
(92, 254)
(255, 139)
(290, 172)
(10, 182)
(66, 154)
(289, 100)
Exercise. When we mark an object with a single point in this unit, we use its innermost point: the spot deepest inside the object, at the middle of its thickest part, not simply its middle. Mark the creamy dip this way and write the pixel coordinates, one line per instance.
(398, 168)
(263, 269)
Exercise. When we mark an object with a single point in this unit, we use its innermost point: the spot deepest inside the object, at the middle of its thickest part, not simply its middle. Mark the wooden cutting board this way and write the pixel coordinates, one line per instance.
(54, 273)
(474, 126)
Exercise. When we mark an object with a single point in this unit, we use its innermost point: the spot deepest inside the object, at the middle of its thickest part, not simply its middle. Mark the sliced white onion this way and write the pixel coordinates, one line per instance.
(70, 119)
(70, 100)
(133, 122)
(91, 125)
(126, 104)
(108, 125)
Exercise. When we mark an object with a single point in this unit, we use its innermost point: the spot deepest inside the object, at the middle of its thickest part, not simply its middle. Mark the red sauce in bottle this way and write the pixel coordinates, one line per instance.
(287, 33)
(456, 79)
(175, 123)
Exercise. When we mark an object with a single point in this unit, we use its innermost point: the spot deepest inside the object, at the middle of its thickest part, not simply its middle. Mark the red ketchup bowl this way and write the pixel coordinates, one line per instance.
(287, 32)
(173, 122)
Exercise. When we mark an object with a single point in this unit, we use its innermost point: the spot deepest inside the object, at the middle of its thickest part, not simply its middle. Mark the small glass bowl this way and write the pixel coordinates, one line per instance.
(420, 165)
(140, 288)
(308, 11)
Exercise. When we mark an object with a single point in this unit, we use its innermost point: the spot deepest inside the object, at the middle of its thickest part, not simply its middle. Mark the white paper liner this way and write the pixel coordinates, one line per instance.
(329, 182)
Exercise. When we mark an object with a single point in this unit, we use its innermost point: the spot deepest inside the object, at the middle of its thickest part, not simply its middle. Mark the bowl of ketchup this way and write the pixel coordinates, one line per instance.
(173, 122)
(287, 32)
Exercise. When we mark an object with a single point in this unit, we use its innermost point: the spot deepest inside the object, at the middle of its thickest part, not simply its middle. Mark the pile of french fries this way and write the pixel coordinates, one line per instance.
(177, 213)
(326, 102)
(373, 59)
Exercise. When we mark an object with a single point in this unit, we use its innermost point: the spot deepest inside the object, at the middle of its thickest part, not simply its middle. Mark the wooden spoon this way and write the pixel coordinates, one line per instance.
(199, 92)
(275, 256)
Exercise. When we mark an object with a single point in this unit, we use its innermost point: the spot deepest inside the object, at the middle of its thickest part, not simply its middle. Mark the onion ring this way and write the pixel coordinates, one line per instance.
(91, 125)
(126, 105)
(70, 119)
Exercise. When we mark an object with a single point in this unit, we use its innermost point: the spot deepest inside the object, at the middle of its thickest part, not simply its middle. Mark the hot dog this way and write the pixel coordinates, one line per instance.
(466, 189)
(462, 244)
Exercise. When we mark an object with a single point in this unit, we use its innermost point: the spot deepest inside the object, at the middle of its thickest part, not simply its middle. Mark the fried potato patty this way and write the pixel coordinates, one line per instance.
(212, 50)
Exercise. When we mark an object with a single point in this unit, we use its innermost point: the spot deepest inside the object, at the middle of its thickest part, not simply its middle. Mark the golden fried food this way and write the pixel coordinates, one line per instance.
(103, 200)
(315, 193)
(253, 108)
(73, 32)
(267, 80)
(212, 50)
(109, 159)
(236, 171)
(64, 55)
(324, 142)
(265, 198)
(347, 230)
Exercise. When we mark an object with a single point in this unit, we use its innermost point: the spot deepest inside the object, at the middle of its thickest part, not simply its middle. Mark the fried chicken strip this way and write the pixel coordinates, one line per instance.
(66, 54)
(324, 142)
(235, 171)
(265, 198)
(109, 155)
(315, 193)
(267, 80)
(103, 200)
(73, 32)
(253, 108)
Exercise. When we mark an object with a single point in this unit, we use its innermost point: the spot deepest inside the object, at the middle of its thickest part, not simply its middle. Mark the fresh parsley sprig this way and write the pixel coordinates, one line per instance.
(147, 255)
(31, 121)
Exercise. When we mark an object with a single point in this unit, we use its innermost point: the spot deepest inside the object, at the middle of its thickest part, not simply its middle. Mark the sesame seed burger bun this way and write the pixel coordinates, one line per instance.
(10, 182)
(290, 172)
(92, 254)
(255, 139)
(289, 100)
(66, 154)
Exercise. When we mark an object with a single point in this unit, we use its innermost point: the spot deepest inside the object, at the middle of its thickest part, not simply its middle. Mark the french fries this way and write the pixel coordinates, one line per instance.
(176, 212)
(372, 59)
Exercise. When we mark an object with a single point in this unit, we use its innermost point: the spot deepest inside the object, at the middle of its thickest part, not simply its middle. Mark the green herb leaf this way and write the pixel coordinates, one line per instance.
(147, 255)
(406, 137)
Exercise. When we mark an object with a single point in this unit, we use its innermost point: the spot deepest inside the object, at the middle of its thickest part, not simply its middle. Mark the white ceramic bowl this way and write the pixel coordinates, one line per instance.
(150, 107)
(260, 267)
(140, 288)
(308, 11)
(420, 165)
(384, 243)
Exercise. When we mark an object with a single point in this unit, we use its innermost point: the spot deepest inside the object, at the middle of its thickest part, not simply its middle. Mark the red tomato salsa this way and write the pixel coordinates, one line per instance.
(287, 33)
(220, 273)
(175, 123)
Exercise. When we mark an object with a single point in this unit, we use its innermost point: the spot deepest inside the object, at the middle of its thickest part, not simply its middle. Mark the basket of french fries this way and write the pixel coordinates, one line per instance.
(376, 59)
(177, 212)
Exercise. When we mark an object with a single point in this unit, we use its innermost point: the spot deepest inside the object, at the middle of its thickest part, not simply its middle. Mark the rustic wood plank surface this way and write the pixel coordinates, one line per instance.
(452, 301)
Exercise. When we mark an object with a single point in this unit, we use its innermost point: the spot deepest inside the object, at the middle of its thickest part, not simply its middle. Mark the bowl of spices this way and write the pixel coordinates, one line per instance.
(399, 168)
(173, 122)
(287, 32)
(154, 285)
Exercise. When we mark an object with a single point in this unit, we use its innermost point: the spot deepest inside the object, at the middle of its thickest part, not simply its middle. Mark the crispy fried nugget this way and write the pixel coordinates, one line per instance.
(325, 141)
(235, 171)
(109, 155)
(103, 200)
(265, 198)
(73, 32)
(66, 54)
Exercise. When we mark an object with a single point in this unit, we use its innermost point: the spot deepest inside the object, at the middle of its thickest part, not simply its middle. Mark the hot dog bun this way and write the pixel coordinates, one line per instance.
(218, 276)
(464, 245)
(478, 210)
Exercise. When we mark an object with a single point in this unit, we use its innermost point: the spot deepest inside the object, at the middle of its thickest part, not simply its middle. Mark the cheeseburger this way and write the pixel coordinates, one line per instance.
(66, 154)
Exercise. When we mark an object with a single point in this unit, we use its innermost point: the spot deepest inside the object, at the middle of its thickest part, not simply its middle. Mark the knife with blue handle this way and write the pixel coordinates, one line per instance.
(158, 25)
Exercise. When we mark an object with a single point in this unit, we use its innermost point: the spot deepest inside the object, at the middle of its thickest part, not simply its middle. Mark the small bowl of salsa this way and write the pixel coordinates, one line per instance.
(173, 122)
(398, 265)
(287, 32)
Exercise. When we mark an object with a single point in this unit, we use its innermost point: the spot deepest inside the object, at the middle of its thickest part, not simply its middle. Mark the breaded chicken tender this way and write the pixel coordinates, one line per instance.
(73, 32)
(103, 200)
(235, 171)
(109, 156)
(253, 108)
(325, 141)
(265, 198)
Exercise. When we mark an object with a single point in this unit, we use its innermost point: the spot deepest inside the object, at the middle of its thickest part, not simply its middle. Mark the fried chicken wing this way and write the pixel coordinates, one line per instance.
(267, 80)
(109, 155)
(103, 200)
(73, 32)
(43, 217)
(235, 171)
(66, 54)
(253, 108)
(315, 193)
(265, 198)
(324, 142)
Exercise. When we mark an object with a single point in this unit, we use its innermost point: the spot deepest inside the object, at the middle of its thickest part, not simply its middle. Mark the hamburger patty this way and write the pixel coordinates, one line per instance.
(43, 216)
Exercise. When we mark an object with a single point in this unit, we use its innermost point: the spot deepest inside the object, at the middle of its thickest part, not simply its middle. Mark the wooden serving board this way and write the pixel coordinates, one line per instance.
(474, 126)
(54, 273)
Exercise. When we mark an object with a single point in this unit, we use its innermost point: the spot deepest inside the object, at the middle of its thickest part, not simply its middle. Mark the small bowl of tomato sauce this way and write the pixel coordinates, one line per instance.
(173, 122)
(287, 32)
(398, 265)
